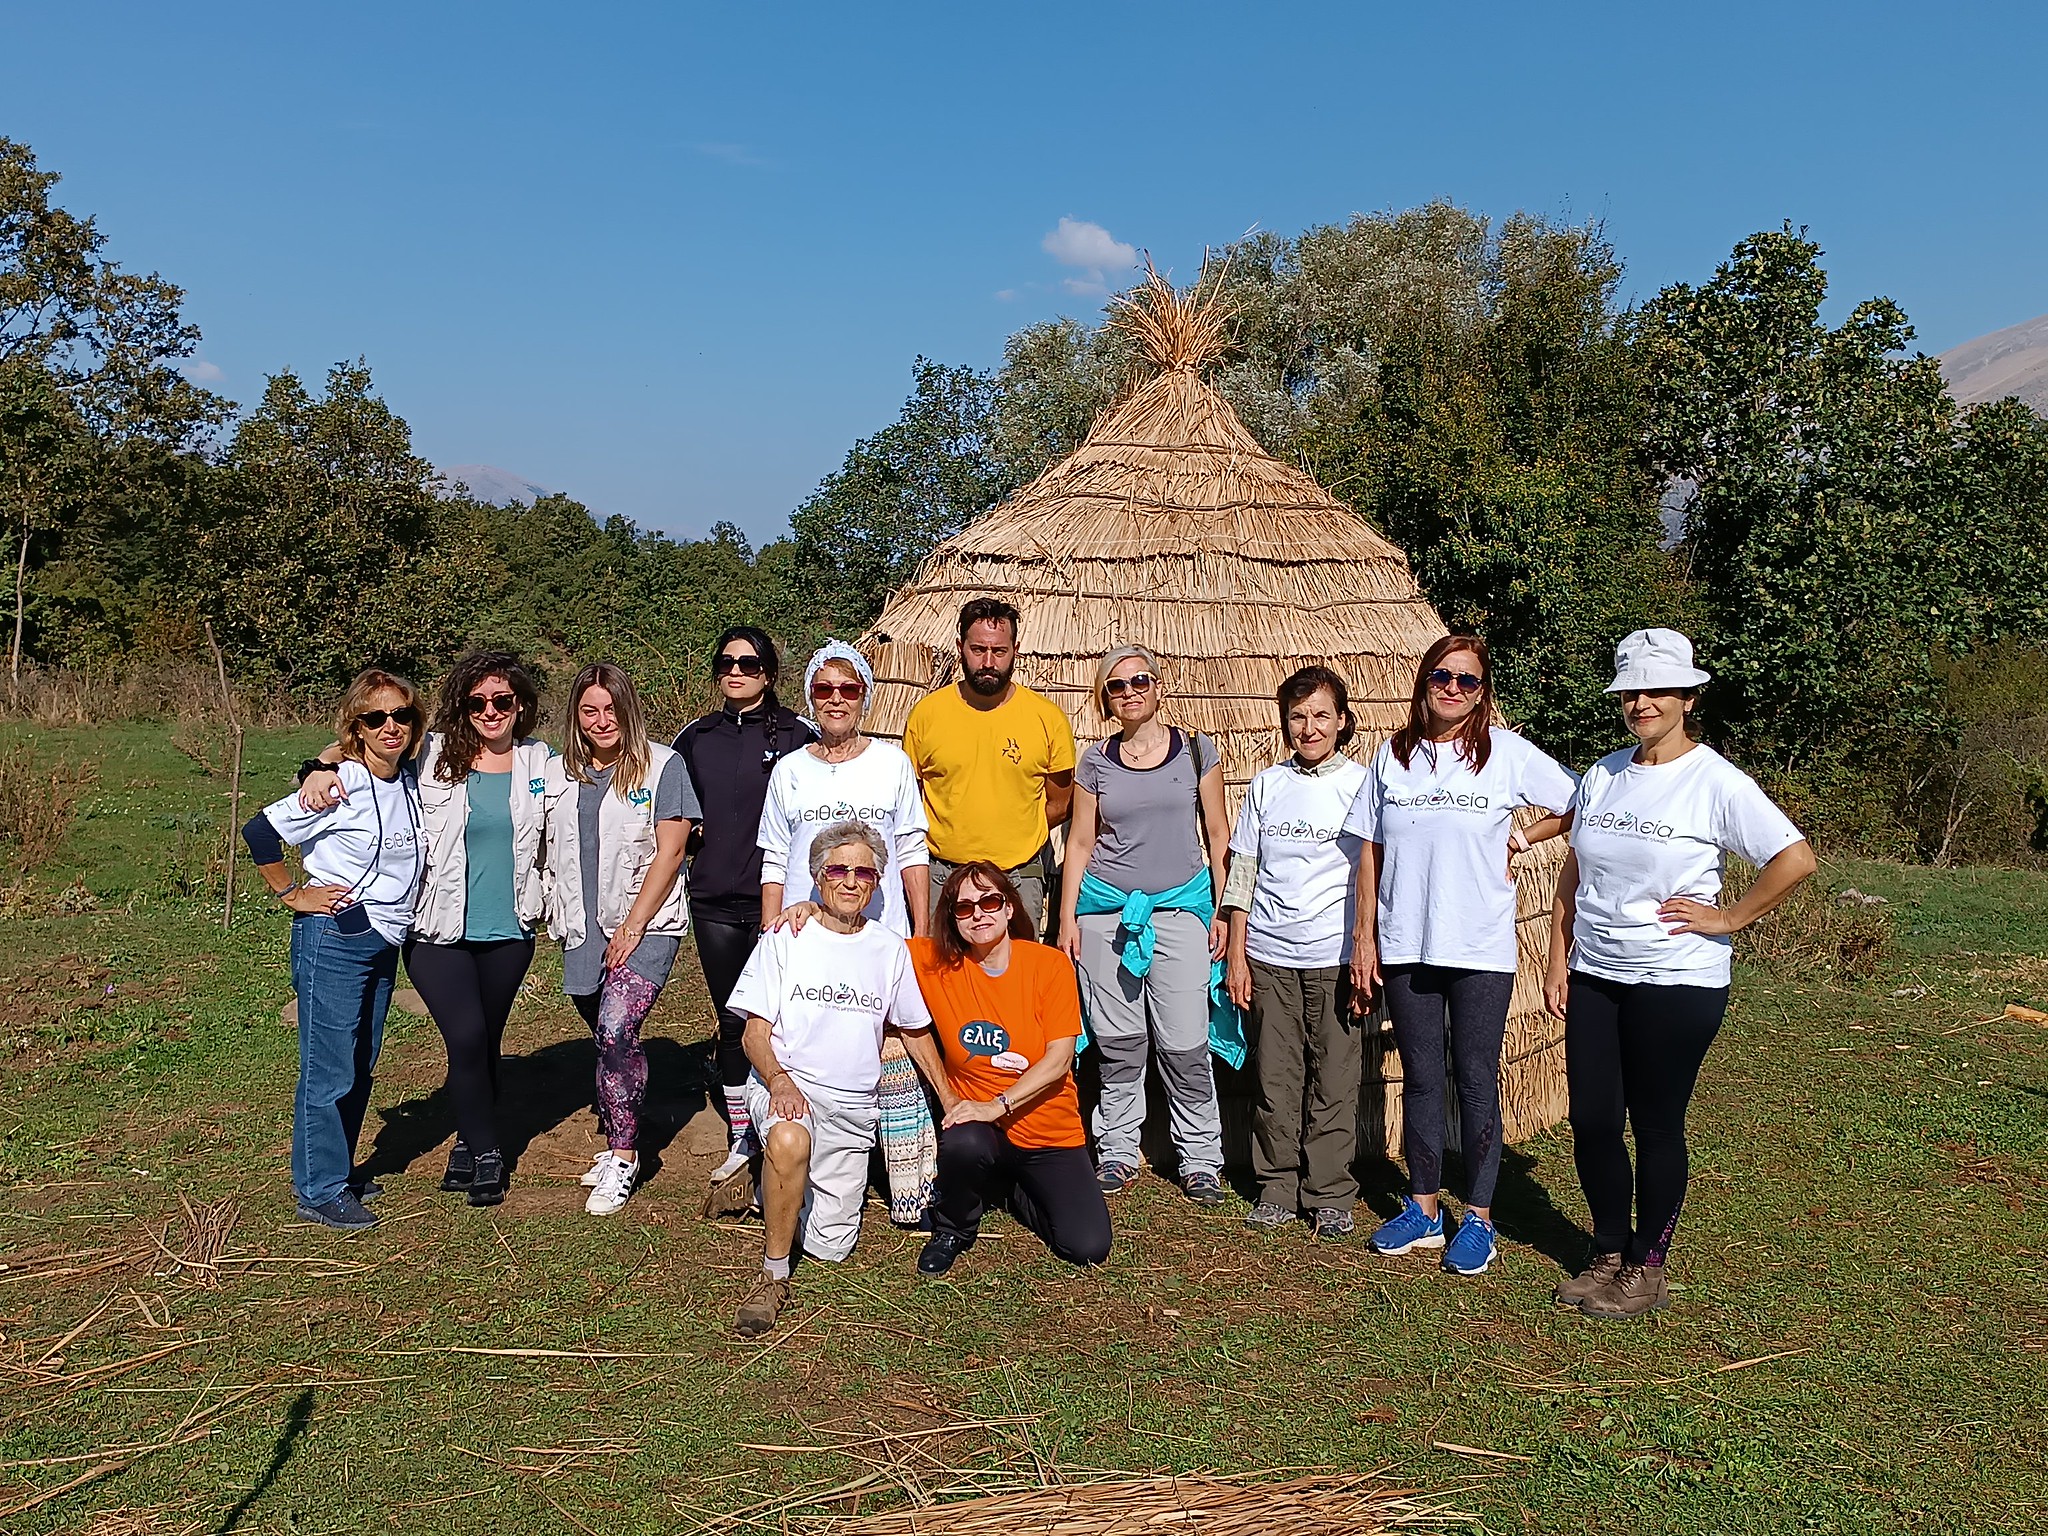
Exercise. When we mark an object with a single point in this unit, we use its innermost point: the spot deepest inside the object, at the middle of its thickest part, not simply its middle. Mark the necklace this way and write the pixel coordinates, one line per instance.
(1133, 749)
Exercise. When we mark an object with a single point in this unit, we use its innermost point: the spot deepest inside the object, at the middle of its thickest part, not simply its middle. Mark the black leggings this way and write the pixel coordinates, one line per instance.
(1051, 1190)
(723, 947)
(1634, 1050)
(1419, 997)
(469, 989)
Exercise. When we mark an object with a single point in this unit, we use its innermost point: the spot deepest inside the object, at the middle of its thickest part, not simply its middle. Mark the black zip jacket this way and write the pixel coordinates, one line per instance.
(728, 756)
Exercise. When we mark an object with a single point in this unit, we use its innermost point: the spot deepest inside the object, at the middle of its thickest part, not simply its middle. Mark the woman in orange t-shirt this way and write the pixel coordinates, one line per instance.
(1000, 1054)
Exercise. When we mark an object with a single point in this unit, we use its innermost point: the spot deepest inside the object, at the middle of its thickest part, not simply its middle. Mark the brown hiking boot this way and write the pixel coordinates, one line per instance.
(1634, 1290)
(1599, 1270)
(762, 1306)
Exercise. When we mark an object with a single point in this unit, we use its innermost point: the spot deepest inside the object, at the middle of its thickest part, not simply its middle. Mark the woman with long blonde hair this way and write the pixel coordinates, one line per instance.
(619, 820)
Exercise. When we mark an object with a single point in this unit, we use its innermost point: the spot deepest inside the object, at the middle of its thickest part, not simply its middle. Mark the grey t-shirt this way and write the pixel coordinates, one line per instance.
(1148, 835)
(583, 967)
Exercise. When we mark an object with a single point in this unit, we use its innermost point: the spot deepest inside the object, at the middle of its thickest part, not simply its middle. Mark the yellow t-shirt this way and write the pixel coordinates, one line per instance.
(983, 772)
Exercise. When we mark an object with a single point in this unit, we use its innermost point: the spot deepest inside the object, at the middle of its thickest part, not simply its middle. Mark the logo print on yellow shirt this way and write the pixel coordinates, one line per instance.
(1012, 751)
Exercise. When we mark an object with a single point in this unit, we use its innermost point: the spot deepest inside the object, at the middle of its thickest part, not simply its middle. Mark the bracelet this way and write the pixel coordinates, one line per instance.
(1004, 1100)
(311, 766)
(281, 895)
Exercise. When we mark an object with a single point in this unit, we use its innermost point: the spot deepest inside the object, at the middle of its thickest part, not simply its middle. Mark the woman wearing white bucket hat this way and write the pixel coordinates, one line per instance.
(1639, 958)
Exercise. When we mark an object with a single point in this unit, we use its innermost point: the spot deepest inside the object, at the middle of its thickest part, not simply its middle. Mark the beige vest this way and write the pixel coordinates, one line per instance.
(444, 816)
(625, 848)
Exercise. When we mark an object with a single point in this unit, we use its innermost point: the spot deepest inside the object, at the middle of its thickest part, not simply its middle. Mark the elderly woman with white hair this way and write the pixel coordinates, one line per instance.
(1144, 873)
(845, 776)
(817, 998)
(1639, 959)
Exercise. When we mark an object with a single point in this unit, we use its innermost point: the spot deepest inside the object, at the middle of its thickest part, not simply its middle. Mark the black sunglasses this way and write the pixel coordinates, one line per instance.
(503, 703)
(405, 714)
(968, 906)
(746, 666)
(1467, 683)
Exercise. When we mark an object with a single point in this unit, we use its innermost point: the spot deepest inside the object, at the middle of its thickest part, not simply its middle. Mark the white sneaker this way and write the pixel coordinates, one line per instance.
(735, 1160)
(597, 1165)
(614, 1187)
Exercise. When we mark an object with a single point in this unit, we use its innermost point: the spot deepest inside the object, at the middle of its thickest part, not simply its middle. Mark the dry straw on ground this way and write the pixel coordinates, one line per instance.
(1172, 528)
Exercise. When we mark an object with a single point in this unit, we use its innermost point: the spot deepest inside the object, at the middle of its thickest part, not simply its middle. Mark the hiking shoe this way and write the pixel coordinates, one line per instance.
(344, 1213)
(461, 1167)
(1205, 1189)
(1410, 1230)
(595, 1175)
(1114, 1178)
(614, 1187)
(940, 1252)
(1268, 1217)
(488, 1186)
(1600, 1268)
(1635, 1290)
(763, 1305)
(736, 1159)
(1472, 1250)
(1332, 1224)
(367, 1190)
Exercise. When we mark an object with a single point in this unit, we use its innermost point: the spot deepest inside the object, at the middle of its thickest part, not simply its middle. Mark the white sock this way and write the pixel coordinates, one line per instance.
(778, 1269)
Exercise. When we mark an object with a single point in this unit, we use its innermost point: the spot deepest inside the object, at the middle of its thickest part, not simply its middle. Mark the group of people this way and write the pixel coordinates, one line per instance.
(869, 921)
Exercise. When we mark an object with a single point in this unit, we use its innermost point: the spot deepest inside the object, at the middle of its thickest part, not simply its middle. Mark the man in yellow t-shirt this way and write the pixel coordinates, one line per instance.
(995, 761)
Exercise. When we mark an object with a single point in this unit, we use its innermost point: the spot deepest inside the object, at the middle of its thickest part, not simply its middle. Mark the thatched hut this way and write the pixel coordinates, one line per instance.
(1171, 527)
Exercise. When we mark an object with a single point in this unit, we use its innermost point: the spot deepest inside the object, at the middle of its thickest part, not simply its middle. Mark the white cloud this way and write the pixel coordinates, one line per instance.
(200, 371)
(1005, 295)
(1078, 243)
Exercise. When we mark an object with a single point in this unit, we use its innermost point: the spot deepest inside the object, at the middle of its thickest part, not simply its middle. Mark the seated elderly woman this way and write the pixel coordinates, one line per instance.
(1007, 1012)
(815, 1000)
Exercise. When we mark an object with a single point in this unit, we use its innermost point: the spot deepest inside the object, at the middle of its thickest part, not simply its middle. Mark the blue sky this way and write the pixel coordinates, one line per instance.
(673, 259)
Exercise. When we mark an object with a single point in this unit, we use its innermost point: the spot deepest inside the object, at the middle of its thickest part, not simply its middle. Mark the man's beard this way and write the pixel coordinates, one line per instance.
(988, 682)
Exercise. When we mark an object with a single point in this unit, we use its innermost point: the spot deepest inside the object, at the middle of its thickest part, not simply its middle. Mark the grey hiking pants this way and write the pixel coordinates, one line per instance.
(1310, 1050)
(1126, 1014)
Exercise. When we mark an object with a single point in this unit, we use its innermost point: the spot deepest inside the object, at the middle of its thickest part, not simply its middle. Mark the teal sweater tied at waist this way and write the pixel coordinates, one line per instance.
(1136, 939)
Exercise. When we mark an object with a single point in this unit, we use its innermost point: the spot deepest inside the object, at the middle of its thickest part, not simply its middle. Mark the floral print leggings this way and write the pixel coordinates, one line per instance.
(615, 1015)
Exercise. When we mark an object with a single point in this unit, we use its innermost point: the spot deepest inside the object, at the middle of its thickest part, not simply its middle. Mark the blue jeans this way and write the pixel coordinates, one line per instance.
(344, 986)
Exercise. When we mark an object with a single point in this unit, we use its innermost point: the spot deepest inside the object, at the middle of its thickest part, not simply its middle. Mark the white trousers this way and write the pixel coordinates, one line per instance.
(842, 1134)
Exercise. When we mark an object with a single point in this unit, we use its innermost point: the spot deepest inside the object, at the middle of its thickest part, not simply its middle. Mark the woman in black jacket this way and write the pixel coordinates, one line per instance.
(729, 754)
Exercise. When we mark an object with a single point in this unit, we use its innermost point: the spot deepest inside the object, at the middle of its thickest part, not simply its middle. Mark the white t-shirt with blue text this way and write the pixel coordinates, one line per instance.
(1303, 903)
(806, 794)
(369, 842)
(1445, 897)
(1645, 834)
(826, 997)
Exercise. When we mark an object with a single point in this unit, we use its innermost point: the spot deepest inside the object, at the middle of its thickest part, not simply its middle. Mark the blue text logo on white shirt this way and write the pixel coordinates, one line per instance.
(1439, 800)
(841, 811)
(839, 995)
(1298, 831)
(1622, 823)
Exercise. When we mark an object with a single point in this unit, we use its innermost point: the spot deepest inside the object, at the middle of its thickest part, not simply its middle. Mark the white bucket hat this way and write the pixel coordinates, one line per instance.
(1654, 658)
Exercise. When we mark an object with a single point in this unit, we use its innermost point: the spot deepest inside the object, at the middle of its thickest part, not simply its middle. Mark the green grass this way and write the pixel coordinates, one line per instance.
(1867, 1207)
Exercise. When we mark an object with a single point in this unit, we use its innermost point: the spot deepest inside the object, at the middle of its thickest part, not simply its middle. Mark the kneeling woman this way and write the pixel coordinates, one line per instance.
(1005, 1013)
(620, 820)
(363, 864)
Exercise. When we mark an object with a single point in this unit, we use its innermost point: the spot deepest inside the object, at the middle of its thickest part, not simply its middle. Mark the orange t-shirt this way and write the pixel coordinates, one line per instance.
(990, 1029)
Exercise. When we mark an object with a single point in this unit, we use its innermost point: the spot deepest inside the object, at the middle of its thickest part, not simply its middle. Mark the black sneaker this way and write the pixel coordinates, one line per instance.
(487, 1187)
(461, 1167)
(940, 1252)
(344, 1213)
(367, 1190)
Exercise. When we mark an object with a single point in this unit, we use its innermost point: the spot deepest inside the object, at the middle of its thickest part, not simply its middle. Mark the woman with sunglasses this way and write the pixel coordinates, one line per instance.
(1639, 959)
(482, 785)
(363, 863)
(616, 900)
(1000, 1055)
(1144, 870)
(729, 754)
(1436, 926)
(845, 776)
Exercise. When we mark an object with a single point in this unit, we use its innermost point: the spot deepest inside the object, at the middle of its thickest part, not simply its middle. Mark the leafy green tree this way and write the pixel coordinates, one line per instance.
(45, 457)
(1845, 524)
(918, 481)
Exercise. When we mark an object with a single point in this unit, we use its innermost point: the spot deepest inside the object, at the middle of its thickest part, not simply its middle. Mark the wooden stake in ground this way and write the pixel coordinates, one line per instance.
(227, 696)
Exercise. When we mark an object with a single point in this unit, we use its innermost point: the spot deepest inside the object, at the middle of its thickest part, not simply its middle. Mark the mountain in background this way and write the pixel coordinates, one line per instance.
(2013, 361)
(487, 483)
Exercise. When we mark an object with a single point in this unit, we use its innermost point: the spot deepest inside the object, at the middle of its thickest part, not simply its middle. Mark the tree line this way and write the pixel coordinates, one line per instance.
(1860, 560)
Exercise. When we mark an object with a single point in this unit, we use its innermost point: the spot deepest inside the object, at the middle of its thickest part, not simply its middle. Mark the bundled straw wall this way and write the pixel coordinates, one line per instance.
(1170, 527)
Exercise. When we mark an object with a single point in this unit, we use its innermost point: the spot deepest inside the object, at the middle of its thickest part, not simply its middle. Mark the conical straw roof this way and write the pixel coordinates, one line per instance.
(1170, 527)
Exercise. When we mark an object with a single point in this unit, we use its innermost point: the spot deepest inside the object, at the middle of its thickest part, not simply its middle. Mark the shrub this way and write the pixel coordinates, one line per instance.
(38, 800)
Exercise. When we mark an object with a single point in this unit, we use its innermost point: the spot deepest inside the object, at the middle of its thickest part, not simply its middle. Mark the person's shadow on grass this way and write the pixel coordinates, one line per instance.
(540, 1091)
(296, 1418)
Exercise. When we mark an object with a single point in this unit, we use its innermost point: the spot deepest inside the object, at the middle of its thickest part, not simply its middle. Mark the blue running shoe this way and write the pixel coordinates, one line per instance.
(1410, 1230)
(1472, 1249)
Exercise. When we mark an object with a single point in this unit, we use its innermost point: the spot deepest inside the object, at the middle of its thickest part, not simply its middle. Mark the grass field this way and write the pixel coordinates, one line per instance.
(1860, 1342)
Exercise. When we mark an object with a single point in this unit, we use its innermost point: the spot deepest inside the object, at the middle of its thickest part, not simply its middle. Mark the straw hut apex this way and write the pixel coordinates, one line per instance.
(1170, 527)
